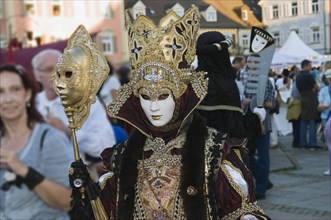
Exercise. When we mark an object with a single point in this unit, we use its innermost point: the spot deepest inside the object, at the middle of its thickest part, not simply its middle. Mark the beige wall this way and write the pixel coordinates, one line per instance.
(52, 28)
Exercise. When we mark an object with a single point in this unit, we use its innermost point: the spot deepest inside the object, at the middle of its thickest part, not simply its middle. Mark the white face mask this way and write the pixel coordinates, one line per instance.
(159, 111)
(258, 43)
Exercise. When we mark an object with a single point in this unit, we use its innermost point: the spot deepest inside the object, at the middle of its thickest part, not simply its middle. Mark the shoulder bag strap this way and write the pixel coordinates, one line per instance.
(42, 139)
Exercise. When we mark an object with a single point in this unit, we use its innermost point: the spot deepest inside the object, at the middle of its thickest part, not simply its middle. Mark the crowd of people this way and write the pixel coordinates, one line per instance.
(155, 106)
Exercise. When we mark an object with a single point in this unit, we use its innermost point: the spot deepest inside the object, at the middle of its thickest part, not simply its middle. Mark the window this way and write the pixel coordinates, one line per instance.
(29, 8)
(56, 8)
(296, 31)
(315, 6)
(245, 42)
(294, 8)
(139, 11)
(108, 45)
(277, 38)
(29, 35)
(244, 15)
(211, 16)
(275, 12)
(138, 8)
(316, 37)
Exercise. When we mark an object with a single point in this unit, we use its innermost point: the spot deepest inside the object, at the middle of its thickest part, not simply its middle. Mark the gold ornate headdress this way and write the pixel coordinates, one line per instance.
(161, 56)
(87, 69)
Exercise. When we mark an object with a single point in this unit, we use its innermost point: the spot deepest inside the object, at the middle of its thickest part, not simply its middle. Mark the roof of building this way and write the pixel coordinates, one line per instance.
(232, 10)
(255, 7)
(227, 11)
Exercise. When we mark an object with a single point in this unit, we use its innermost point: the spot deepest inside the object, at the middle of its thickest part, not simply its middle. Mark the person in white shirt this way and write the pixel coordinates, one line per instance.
(108, 91)
(95, 134)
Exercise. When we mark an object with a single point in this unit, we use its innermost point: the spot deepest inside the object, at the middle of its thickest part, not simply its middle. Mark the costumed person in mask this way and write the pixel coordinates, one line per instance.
(172, 166)
(222, 105)
(259, 90)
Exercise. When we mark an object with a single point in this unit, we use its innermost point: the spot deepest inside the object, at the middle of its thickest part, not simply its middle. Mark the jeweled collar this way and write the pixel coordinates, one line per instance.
(160, 147)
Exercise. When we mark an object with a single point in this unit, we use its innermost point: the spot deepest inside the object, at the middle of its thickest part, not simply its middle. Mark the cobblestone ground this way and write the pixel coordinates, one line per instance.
(301, 191)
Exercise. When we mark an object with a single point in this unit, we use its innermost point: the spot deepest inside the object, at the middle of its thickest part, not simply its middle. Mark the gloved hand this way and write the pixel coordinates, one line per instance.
(224, 44)
(79, 175)
(261, 112)
(228, 41)
(83, 191)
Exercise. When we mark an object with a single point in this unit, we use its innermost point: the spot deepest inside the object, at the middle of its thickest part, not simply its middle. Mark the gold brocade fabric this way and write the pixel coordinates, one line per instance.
(157, 194)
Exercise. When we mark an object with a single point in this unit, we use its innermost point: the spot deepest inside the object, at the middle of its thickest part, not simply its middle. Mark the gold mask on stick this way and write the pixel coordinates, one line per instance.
(78, 76)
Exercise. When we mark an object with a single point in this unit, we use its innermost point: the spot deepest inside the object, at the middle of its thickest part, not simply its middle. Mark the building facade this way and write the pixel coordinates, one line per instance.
(310, 19)
(30, 23)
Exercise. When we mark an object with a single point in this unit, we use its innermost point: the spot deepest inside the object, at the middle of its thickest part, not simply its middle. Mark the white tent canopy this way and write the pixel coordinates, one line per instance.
(281, 60)
(293, 52)
(294, 46)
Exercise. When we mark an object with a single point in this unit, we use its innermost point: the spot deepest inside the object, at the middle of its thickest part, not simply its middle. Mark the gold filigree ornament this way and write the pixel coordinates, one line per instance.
(161, 55)
(78, 76)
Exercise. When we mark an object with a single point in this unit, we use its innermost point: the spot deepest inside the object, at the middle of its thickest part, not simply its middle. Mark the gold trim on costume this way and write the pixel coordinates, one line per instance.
(103, 179)
(208, 158)
(219, 107)
(237, 151)
(247, 209)
(123, 94)
(234, 185)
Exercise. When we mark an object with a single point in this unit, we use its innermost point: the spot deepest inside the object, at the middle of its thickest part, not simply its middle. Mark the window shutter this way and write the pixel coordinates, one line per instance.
(266, 12)
(289, 9)
(280, 10)
(271, 15)
(300, 8)
(309, 7)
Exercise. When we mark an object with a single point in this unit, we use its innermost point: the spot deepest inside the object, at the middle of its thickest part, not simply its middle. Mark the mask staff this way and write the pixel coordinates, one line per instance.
(77, 77)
